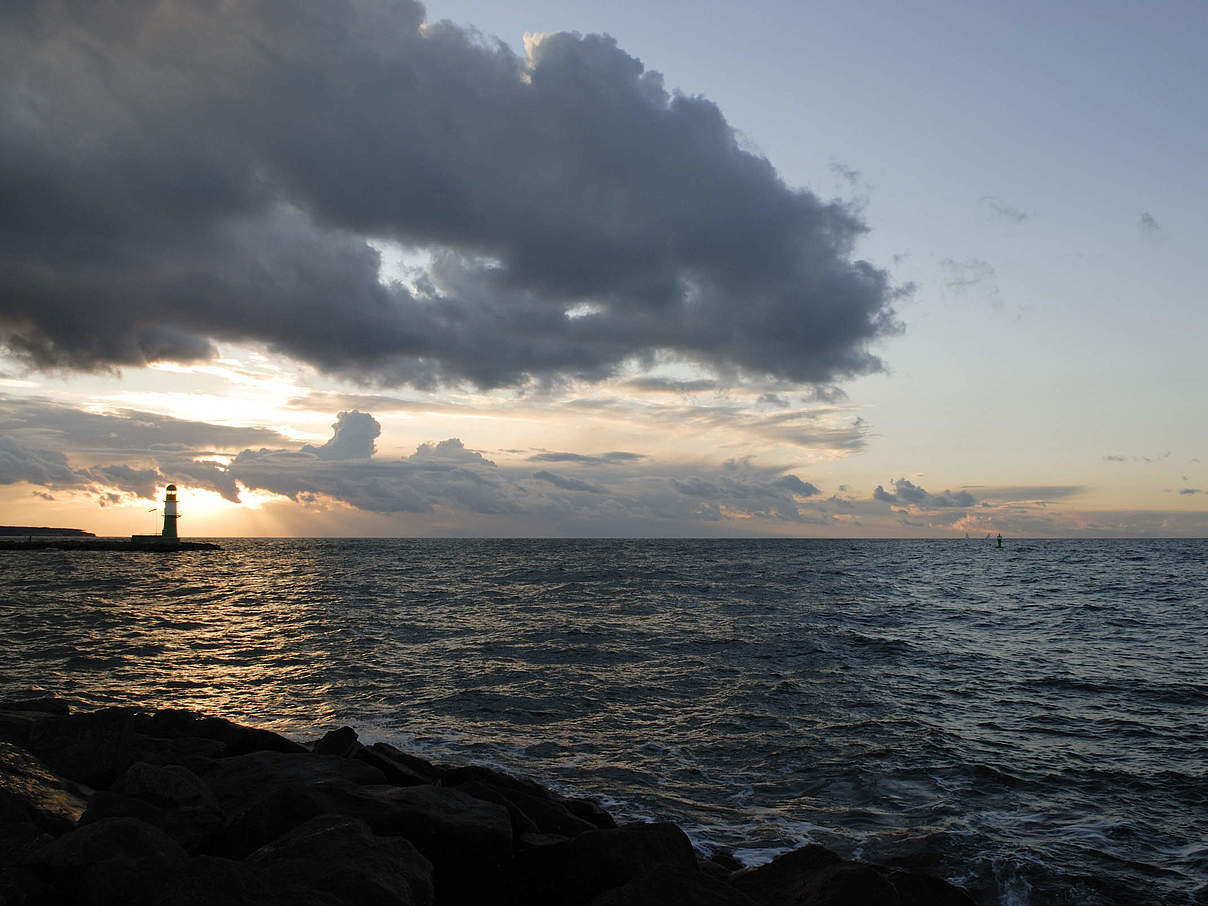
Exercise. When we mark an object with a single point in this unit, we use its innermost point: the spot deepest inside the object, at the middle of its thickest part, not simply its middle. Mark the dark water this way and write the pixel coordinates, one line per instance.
(1031, 722)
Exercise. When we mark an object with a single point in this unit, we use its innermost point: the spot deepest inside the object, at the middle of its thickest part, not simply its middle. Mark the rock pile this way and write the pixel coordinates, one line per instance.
(172, 808)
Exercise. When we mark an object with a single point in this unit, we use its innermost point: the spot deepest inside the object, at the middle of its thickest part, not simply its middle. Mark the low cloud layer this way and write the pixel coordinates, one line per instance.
(178, 174)
(445, 486)
(907, 493)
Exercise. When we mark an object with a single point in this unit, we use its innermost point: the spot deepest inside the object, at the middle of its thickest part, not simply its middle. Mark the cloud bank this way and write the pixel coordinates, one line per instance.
(177, 174)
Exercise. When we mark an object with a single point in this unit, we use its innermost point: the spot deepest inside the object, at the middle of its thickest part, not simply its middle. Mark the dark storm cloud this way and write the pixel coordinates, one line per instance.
(176, 174)
(48, 468)
(139, 482)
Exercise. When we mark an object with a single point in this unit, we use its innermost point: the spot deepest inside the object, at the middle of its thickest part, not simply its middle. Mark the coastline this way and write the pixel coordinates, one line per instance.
(121, 805)
(75, 543)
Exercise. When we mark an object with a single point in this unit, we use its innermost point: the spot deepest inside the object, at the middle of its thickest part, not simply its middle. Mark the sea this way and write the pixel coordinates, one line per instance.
(1030, 722)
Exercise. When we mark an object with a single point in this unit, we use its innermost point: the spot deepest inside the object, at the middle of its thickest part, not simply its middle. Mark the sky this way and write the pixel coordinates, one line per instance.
(576, 269)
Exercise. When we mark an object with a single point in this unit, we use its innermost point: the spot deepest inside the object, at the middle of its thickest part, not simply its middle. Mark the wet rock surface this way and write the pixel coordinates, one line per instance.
(174, 808)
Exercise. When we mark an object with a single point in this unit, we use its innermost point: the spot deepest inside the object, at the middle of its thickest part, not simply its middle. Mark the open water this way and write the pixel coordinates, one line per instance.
(1030, 722)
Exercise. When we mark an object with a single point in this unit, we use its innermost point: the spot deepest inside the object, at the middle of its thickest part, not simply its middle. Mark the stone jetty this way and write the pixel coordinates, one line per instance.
(137, 543)
(173, 808)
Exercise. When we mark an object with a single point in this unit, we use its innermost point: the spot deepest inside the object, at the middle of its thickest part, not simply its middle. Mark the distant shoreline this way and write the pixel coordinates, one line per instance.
(77, 543)
(42, 531)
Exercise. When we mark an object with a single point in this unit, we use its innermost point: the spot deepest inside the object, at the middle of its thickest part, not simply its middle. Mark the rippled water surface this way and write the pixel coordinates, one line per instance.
(1031, 722)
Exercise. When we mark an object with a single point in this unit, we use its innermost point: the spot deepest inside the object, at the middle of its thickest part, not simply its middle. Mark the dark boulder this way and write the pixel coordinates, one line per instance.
(574, 872)
(236, 738)
(342, 742)
(788, 877)
(91, 747)
(674, 884)
(590, 811)
(816, 876)
(530, 813)
(915, 889)
(117, 861)
(522, 824)
(213, 881)
(341, 856)
(398, 767)
(243, 779)
(170, 797)
(31, 792)
(42, 704)
(468, 841)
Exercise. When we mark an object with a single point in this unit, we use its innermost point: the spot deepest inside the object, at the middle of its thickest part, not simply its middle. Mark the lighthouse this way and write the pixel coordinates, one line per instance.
(170, 515)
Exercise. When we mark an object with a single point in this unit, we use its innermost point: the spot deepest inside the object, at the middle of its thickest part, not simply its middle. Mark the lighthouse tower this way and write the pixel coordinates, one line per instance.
(170, 515)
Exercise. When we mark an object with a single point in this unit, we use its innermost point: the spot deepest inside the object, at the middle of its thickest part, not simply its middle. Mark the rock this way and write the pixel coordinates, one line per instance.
(237, 739)
(725, 860)
(522, 825)
(498, 779)
(677, 885)
(574, 872)
(342, 857)
(44, 704)
(468, 841)
(548, 814)
(117, 861)
(590, 811)
(212, 881)
(168, 786)
(92, 747)
(242, 779)
(170, 797)
(915, 889)
(398, 767)
(530, 814)
(342, 742)
(192, 752)
(816, 876)
(31, 792)
(786, 878)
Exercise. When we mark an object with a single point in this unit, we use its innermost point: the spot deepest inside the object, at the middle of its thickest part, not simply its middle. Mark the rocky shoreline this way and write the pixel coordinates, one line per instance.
(173, 808)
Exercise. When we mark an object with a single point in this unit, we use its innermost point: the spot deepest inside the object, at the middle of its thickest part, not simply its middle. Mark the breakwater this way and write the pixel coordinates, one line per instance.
(120, 806)
(75, 543)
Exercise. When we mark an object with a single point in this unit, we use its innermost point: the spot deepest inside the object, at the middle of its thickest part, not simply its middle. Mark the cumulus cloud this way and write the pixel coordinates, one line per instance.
(134, 452)
(175, 175)
(353, 436)
(907, 493)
